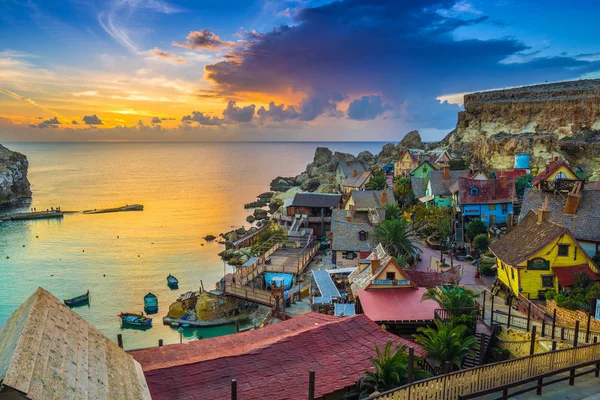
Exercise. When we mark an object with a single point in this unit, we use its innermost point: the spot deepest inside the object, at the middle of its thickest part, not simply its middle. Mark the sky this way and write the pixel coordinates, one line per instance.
(274, 70)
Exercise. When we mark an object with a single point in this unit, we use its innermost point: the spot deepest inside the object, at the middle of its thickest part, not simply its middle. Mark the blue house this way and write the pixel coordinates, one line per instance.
(490, 200)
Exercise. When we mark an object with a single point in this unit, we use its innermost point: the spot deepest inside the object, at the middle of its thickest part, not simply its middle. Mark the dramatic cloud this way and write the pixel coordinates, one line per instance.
(92, 120)
(317, 103)
(200, 118)
(156, 120)
(49, 123)
(357, 47)
(277, 113)
(203, 40)
(367, 107)
(167, 56)
(239, 114)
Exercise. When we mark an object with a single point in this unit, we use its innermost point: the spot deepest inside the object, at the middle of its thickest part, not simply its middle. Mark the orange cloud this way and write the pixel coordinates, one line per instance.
(167, 56)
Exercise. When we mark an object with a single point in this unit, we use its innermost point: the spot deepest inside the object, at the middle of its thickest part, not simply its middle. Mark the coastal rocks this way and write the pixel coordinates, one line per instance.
(278, 198)
(209, 238)
(260, 214)
(412, 140)
(13, 176)
(256, 204)
(311, 185)
(265, 195)
(389, 153)
(367, 157)
(281, 184)
(250, 219)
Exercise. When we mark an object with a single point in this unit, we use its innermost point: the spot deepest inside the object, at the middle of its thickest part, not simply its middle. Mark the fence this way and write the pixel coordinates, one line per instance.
(465, 382)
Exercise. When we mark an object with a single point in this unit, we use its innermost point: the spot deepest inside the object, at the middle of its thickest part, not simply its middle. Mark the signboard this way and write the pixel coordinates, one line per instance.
(598, 309)
(538, 264)
(471, 211)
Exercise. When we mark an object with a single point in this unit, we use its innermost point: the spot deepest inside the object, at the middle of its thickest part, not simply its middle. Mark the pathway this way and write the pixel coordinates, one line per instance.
(468, 269)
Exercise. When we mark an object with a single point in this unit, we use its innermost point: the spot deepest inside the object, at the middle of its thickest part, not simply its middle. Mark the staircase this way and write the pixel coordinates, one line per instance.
(471, 361)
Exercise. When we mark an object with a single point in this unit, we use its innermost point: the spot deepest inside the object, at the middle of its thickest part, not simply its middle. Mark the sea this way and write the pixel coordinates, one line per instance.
(188, 190)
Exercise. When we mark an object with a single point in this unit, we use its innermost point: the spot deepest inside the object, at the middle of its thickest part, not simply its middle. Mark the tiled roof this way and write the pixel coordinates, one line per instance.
(526, 239)
(361, 279)
(418, 186)
(269, 363)
(368, 199)
(441, 186)
(585, 225)
(308, 199)
(551, 168)
(348, 167)
(47, 351)
(344, 234)
(490, 191)
(513, 173)
(358, 180)
(567, 275)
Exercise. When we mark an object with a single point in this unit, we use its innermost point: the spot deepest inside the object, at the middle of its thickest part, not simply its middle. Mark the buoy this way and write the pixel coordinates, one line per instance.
(7, 257)
(37, 237)
(23, 245)
(104, 275)
(138, 255)
(51, 275)
(117, 236)
(83, 251)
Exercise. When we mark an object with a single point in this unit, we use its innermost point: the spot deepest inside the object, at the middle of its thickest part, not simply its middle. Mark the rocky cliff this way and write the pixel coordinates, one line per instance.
(544, 120)
(13, 176)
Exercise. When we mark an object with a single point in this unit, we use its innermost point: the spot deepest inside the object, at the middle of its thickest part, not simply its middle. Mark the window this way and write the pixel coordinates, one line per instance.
(424, 169)
(560, 175)
(512, 273)
(504, 208)
(362, 236)
(349, 255)
(390, 276)
(563, 250)
(474, 191)
(502, 265)
(492, 207)
(547, 281)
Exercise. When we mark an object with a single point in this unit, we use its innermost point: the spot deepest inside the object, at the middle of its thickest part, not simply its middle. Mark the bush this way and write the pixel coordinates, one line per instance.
(550, 295)
(475, 227)
(596, 258)
(481, 242)
(485, 269)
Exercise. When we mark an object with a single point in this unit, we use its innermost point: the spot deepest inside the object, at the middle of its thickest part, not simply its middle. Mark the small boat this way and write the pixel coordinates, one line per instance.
(150, 303)
(138, 320)
(79, 300)
(172, 282)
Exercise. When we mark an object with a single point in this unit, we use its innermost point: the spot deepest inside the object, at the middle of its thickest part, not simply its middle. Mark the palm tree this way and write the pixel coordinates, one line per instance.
(402, 260)
(452, 298)
(447, 342)
(377, 182)
(392, 211)
(391, 370)
(395, 236)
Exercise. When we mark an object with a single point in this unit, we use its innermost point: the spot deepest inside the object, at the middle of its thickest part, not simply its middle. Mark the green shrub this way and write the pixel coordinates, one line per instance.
(475, 227)
(551, 294)
(485, 269)
(481, 242)
(596, 258)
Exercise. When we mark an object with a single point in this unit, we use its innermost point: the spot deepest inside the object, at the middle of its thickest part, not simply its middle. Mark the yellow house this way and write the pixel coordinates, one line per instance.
(554, 171)
(356, 181)
(540, 255)
(409, 160)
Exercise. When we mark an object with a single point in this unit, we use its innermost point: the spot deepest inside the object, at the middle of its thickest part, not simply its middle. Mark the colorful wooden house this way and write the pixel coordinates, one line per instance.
(409, 160)
(356, 181)
(437, 188)
(539, 255)
(557, 176)
(423, 170)
(352, 238)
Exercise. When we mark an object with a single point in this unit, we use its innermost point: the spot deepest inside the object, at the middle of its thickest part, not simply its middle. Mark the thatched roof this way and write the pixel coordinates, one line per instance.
(48, 351)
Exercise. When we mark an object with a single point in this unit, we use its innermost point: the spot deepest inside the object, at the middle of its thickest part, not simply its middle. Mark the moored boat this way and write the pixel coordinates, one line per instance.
(133, 319)
(79, 300)
(150, 303)
(172, 282)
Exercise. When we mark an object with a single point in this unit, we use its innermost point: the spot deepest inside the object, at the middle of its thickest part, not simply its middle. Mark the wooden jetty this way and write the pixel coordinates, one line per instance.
(32, 215)
(133, 207)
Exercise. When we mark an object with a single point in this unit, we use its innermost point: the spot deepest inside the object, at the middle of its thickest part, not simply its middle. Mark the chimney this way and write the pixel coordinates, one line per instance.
(446, 172)
(348, 163)
(375, 264)
(544, 214)
(354, 173)
(553, 163)
(383, 198)
(348, 216)
(503, 181)
(573, 199)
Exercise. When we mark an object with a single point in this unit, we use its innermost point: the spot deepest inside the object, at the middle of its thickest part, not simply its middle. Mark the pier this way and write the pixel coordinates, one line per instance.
(32, 215)
(133, 207)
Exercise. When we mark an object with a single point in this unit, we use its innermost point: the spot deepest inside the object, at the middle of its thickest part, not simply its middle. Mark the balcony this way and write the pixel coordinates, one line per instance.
(560, 185)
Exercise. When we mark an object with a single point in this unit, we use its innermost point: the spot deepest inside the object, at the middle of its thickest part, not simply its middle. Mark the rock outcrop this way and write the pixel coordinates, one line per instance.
(558, 119)
(13, 176)
(412, 140)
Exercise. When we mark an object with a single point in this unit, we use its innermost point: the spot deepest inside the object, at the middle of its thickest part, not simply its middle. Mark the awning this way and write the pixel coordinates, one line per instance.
(567, 276)
(426, 199)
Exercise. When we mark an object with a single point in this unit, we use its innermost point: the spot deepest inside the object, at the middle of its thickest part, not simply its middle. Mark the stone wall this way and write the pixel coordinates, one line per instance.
(569, 317)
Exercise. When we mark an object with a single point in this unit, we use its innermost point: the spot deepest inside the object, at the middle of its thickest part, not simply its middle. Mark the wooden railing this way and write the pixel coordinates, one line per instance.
(465, 382)
(248, 293)
(560, 185)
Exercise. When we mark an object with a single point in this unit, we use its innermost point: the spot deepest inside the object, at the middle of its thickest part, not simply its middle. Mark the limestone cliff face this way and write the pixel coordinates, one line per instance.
(13, 176)
(545, 120)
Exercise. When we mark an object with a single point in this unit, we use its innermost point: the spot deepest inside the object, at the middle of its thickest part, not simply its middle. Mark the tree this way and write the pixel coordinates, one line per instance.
(391, 371)
(481, 242)
(447, 342)
(392, 211)
(403, 191)
(522, 182)
(395, 236)
(475, 227)
(402, 260)
(377, 182)
(451, 299)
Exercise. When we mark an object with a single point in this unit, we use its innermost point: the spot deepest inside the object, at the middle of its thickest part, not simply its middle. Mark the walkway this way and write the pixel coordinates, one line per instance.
(325, 284)
(469, 270)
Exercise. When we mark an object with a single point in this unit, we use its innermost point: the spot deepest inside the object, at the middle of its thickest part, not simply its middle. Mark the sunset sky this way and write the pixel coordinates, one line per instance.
(177, 70)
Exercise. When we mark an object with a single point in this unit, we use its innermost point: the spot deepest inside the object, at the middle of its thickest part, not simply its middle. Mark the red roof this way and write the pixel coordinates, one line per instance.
(513, 173)
(272, 362)
(490, 191)
(550, 168)
(402, 304)
(567, 275)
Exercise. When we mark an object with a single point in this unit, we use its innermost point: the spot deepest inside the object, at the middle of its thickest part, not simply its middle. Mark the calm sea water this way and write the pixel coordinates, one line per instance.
(188, 191)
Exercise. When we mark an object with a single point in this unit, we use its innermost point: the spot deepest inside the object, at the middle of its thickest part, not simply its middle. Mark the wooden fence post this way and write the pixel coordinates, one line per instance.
(120, 340)
(597, 364)
(411, 364)
(483, 308)
(562, 333)
(576, 338)
(509, 312)
(543, 327)
(553, 322)
(492, 311)
(311, 385)
(587, 331)
(532, 345)
(447, 367)
(528, 315)
(233, 389)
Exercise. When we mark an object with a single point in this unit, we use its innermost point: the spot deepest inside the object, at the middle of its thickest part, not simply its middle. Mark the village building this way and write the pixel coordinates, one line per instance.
(437, 188)
(557, 176)
(368, 200)
(47, 351)
(346, 168)
(307, 210)
(356, 181)
(386, 295)
(539, 255)
(422, 170)
(489, 200)
(579, 211)
(410, 159)
(352, 237)
(269, 363)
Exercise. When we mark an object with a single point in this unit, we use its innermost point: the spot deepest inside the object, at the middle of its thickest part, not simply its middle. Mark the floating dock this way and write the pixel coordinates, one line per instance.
(133, 207)
(32, 215)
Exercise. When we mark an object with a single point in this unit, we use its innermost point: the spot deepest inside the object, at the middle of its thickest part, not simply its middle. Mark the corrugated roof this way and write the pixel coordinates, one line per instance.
(269, 363)
(48, 351)
(344, 234)
(441, 186)
(585, 225)
(358, 180)
(325, 284)
(526, 239)
(490, 191)
(365, 200)
(309, 199)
